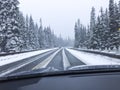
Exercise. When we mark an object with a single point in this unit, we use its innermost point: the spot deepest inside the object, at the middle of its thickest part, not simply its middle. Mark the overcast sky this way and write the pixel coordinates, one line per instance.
(61, 15)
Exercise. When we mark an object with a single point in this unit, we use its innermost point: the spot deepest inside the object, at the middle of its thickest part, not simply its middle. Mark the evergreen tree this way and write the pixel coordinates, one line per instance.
(77, 36)
(103, 33)
(36, 35)
(23, 33)
(107, 29)
(116, 34)
(32, 37)
(112, 23)
(102, 30)
(27, 32)
(92, 21)
(96, 39)
(87, 42)
(41, 35)
(92, 28)
(80, 35)
(10, 29)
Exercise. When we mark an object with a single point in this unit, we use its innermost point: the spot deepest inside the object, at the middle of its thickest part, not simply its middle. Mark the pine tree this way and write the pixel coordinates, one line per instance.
(96, 39)
(47, 32)
(112, 23)
(77, 30)
(119, 5)
(27, 32)
(36, 35)
(92, 28)
(107, 29)
(103, 33)
(23, 32)
(41, 35)
(32, 38)
(10, 25)
(92, 21)
(116, 37)
(102, 30)
(80, 35)
(87, 42)
(3, 39)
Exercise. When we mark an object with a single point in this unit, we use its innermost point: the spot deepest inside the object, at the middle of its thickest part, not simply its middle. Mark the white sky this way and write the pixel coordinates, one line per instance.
(61, 15)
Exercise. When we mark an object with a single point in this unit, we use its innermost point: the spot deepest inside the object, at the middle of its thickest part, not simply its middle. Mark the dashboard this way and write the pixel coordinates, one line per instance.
(96, 81)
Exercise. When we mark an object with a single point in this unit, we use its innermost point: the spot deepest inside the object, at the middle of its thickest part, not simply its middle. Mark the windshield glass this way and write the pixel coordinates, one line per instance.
(58, 35)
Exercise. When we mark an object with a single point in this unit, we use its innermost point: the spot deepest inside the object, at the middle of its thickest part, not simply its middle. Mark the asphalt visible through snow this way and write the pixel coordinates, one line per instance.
(57, 62)
(57, 59)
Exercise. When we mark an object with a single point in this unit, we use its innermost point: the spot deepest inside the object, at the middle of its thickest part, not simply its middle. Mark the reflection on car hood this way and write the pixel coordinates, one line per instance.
(79, 68)
(43, 70)
(51, 71)
(94, 67)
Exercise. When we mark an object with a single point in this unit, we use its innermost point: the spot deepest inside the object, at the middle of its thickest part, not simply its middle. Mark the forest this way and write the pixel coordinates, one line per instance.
(103, 31)
(21, 33)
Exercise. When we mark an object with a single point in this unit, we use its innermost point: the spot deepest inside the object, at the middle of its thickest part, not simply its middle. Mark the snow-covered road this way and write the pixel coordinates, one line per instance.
(93, 59)
(59, 59)
(17, 57)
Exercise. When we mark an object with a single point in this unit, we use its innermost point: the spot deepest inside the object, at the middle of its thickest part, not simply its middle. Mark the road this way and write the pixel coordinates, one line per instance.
(60, 59)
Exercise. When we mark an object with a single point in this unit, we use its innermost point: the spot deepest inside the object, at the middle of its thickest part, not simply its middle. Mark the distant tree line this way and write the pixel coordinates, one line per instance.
(19, 33)
(103, 32)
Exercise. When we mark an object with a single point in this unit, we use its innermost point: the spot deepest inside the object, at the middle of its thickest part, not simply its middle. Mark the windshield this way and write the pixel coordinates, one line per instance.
(58, 35)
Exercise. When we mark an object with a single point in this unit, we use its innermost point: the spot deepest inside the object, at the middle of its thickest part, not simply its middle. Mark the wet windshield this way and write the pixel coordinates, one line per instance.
(58, 35)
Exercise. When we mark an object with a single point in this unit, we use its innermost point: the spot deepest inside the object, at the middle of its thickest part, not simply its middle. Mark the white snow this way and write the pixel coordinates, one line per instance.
(44, 63)
(114, 51)
(17, 57)
(66, 62)
(93, 59)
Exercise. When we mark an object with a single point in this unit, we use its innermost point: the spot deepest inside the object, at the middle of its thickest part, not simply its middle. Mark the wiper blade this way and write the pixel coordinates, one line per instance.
(94, 67)
(47, 72)
(27, 74)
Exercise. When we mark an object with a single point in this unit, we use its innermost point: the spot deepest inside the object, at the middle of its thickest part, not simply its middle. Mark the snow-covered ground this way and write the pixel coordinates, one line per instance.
(17, 57)
(93, 59)
(114, 51)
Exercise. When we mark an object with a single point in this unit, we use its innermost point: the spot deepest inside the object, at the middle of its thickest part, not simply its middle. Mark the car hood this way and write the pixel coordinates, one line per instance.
(51, 71)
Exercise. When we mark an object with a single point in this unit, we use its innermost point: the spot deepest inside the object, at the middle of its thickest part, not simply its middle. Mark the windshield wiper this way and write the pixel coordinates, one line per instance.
(94, 67)
(47, 72)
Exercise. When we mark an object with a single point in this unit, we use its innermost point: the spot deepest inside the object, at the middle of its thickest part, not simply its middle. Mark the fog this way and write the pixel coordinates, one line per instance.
(61, 15)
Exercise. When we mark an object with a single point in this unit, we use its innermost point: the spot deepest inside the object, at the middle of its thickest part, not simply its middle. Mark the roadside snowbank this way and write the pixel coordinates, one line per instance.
(17, 57)
(114, 51)
(93, 59)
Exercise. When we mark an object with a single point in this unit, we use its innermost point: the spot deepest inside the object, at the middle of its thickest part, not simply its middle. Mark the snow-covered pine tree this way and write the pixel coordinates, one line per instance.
(10, 25)
(92, 21)
(3, 39)
(82, 36)
(92, 28)
(41, 35)
(27, 32)
(116, 37)
(52, 39)
(112, 23)
(102, 30)
(107, 29)
(47, 32)
(96, 39)
(119, 5)
(32, 37)
(77, 30)
(23, 32)
(87, 42)
(36, 35)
